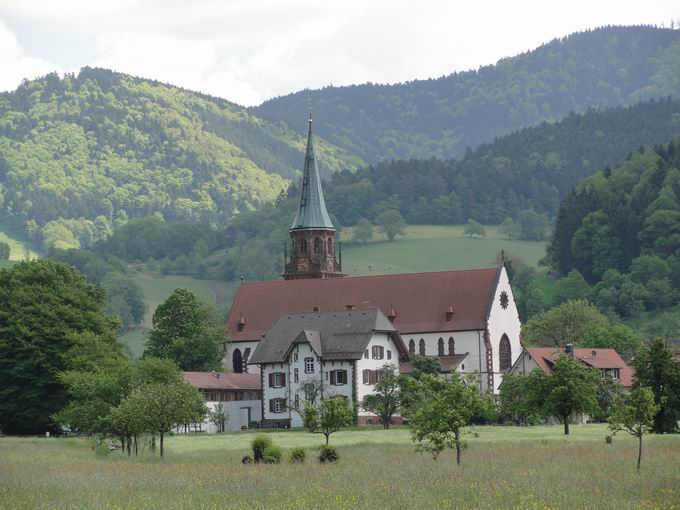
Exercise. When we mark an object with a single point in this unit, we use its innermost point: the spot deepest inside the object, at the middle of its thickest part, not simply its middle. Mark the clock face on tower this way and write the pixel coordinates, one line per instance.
(303, 265)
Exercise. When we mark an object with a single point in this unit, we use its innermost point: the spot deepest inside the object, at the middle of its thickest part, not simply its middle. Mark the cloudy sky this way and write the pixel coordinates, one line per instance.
(250, 50)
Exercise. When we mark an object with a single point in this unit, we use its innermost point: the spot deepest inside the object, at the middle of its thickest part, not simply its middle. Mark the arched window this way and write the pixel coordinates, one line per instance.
(421, 347)
(329, 246)
(440, 347)
(505, 353)
(452, 346)
(303, 245)
(411, 346)
(237, 361)
(317, 245)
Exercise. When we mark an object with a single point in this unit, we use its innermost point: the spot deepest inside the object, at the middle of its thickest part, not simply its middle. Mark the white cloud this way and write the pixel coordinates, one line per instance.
(250, 50)
(15, 65)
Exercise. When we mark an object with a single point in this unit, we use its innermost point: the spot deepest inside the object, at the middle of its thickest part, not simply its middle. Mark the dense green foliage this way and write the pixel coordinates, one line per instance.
(621, 231)
(4, 251)
(124, 297)
(385, 400)
(581, 324)
(45, 308)
(81, 154)
(328, 417)
(610, 66)
(187, 331)
(656, 369)
(531, 169)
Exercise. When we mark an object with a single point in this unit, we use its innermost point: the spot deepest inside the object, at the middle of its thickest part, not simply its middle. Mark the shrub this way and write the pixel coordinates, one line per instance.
(272, 454)
(254, 425)
(328, 454)
(247, 460)
(298, 455)
(608, 439)
(259, 444)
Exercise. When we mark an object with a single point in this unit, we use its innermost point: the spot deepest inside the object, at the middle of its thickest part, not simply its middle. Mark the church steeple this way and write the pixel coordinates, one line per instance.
(312, 248)
(311, 211)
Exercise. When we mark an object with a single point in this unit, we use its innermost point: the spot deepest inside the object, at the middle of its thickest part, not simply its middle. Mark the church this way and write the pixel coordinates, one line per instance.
(467, 318)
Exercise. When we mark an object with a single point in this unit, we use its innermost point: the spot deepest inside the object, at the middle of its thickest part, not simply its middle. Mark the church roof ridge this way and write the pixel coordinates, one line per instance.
(311, 212)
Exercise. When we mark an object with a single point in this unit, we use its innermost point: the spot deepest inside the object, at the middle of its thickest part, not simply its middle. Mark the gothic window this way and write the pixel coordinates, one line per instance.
(303, 245)
(452, 346)
(329, 246)
(421, 347)
(505, 300)
(505, 353)
(440, 347)
(411, 347)
(317, 245)
(237, 361)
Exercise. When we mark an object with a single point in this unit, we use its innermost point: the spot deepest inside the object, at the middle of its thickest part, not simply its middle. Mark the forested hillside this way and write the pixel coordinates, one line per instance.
(610, 66)
(620, 230)
(529, 169)
(81, 154)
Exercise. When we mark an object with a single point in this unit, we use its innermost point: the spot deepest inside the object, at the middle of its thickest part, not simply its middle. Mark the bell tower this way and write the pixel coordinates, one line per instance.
(312, 235)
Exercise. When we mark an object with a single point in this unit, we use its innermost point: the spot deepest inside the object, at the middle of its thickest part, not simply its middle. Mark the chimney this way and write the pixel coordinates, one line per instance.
(241, 323)
(393, 313)
(449, 313)
(569, 349)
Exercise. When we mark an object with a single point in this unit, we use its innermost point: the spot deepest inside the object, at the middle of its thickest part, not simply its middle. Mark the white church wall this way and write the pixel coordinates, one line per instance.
(504, 321)
(465, 341)
(228, 360)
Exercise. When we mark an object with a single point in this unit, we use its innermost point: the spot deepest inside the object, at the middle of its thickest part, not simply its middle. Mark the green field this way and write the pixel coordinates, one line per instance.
(157, 288)
(505, 467)
(434, 248)
(17, 249)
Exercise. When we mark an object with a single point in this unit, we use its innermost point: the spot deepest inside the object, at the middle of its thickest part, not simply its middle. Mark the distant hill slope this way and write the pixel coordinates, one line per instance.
(441, 117)
(530, 168)
(105, 146)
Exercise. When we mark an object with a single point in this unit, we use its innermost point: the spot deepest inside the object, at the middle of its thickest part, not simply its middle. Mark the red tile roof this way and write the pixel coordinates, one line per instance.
(223, 381)
(420, 300)
(545, 357)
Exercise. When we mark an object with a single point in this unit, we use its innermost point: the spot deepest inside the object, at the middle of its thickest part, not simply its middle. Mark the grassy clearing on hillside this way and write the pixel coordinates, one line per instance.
(434, 248)
(505, 468)
(17, 249)
(157, 288)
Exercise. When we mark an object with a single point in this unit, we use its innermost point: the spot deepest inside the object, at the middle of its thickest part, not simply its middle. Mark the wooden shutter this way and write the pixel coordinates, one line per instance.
(344, 376)
(389, 354)
(271, 403)
(382, 352)
(366, 376)
(333, 377)
(271, 380)
(283, 379)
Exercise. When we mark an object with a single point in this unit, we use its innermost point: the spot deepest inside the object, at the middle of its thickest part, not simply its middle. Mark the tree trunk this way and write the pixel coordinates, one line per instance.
(161, 445)
(327, 438)
(136, 450)
(458, 447)
(566, 424)
(639, 450)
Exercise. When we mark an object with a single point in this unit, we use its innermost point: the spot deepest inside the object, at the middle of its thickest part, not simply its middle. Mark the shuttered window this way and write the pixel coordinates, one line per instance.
(277, 379)
(277, 405)
(378, 352)
(389, 354)
(339, 377)
(309, 365)
(365, 376)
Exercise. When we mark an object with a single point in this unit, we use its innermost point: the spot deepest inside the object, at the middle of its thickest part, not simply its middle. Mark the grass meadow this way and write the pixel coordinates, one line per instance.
(17, 249)
(434, 248)
(505, 467)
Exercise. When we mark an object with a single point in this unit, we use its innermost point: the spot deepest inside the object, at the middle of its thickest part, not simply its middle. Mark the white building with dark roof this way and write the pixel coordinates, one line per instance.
(307, 357)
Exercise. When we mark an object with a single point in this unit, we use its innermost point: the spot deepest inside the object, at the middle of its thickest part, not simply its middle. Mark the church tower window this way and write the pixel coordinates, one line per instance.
(329, 244)
(303, 245)
(237, 361)
(317, 245)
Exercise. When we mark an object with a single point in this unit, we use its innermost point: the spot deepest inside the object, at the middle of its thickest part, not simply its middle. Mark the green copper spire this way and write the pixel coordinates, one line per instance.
(311, 211)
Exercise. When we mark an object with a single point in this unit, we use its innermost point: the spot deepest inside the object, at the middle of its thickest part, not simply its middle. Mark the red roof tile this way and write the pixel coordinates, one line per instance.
(420, 300)
(223, 381)
(545, 357)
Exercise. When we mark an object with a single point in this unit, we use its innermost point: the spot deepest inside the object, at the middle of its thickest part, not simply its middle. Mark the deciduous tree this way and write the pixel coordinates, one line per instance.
(331, 415)
(385, 400)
